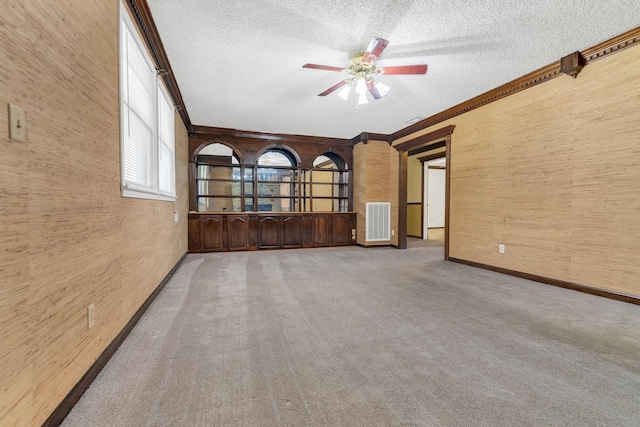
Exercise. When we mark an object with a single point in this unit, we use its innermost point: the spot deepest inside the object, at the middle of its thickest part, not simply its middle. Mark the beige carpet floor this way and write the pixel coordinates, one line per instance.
(415, 242)
(368, 337)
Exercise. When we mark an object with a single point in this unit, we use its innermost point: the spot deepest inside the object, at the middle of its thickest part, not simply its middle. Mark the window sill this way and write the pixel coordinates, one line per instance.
(127, 192)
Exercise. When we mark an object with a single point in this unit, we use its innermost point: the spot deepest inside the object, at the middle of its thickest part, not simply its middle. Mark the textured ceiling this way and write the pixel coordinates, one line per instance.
(239, 63)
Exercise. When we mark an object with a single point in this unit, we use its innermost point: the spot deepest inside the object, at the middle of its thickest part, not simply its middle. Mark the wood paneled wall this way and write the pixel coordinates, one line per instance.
(67, 237)
(376, 168)
(553, 173)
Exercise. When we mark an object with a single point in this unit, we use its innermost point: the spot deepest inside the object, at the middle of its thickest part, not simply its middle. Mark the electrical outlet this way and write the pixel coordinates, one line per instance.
(393, 232)
(501, 248)
(175, 216)
(91, 316)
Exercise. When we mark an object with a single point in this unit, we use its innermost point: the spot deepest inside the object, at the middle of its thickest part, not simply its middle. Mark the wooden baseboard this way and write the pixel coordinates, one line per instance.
(554, 282)
(61, 411)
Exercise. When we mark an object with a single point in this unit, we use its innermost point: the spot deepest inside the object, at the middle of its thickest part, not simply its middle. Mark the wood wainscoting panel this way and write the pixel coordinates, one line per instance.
(68, 237)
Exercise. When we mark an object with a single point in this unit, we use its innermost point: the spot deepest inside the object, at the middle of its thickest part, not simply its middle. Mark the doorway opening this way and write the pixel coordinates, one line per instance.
(426, 198)
(431, 151)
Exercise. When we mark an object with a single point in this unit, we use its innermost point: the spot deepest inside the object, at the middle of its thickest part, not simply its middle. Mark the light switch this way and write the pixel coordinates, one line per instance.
(17, 124)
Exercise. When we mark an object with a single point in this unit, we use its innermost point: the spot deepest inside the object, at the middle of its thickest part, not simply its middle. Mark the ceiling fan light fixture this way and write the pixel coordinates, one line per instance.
(382, 88)
(344, 92)
(361, 86)
(362, 99)
(361, 68)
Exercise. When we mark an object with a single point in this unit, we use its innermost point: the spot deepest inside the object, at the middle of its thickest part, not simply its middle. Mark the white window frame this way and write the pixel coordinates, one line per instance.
(128, 188)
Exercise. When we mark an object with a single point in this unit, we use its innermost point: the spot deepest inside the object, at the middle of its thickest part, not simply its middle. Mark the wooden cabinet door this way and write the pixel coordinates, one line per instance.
(212, 229)
(238, 233)
(292, 231)
(268, 232)
(321, 233)
(341, 230)
(195, 234)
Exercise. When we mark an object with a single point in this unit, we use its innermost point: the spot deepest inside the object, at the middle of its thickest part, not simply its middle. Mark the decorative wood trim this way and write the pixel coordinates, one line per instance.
(365, 137)
(528, 80)
(613, 45)
(426, 138)
(427, 148)
(275, 137)
(61, 411)
(422, 191)
(196, 152)
(282, 147)
(402, 200)
(447, 198)
(572, 64)
(432, 157)
(140, 10)
(553, 282)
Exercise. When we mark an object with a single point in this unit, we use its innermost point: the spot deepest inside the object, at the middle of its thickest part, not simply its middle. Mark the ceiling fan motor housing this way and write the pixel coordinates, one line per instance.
(360, 69)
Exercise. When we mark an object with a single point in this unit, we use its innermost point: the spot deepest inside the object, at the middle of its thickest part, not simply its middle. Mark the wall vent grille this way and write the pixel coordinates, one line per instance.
(378, 221)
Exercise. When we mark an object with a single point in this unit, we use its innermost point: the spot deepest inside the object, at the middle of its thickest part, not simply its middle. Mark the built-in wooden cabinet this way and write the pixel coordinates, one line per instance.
(217, 232)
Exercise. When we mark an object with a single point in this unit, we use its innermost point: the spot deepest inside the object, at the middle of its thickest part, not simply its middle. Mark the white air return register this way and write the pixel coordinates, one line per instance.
(378, 221)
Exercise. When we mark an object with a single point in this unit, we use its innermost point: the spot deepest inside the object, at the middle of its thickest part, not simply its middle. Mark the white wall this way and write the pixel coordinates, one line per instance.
(435, 193)
(435, 188)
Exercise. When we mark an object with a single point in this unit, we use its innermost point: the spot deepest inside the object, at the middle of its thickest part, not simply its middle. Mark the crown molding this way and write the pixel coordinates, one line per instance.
(365, 137)
(529, 80)
(208, 131)
(143, 18)
(611, 46)
(426, 138)
(551, 71)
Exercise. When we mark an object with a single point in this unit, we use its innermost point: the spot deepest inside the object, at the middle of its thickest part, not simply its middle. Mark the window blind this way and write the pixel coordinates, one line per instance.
(166, 160)
(137, 114)
(147, 121)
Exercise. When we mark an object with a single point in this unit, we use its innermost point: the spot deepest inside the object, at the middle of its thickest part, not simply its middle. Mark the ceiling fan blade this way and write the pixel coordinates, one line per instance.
(376, 46)
(334, 88)
(323, 67)
(373, 90)
(403, 69)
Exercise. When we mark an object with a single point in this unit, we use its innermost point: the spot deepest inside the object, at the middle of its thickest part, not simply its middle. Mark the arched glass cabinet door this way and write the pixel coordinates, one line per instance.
(277, 182)
(327, 185)
(219, 180)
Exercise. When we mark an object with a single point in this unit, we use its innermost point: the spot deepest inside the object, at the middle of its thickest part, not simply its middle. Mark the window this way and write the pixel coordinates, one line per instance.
(275, 184)
(147, 138)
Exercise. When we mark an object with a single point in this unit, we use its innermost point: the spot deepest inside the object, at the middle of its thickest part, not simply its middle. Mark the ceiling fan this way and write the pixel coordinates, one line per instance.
(360, 69)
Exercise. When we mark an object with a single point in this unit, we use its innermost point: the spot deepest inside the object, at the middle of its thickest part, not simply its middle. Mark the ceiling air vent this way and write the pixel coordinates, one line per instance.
(414, 119)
